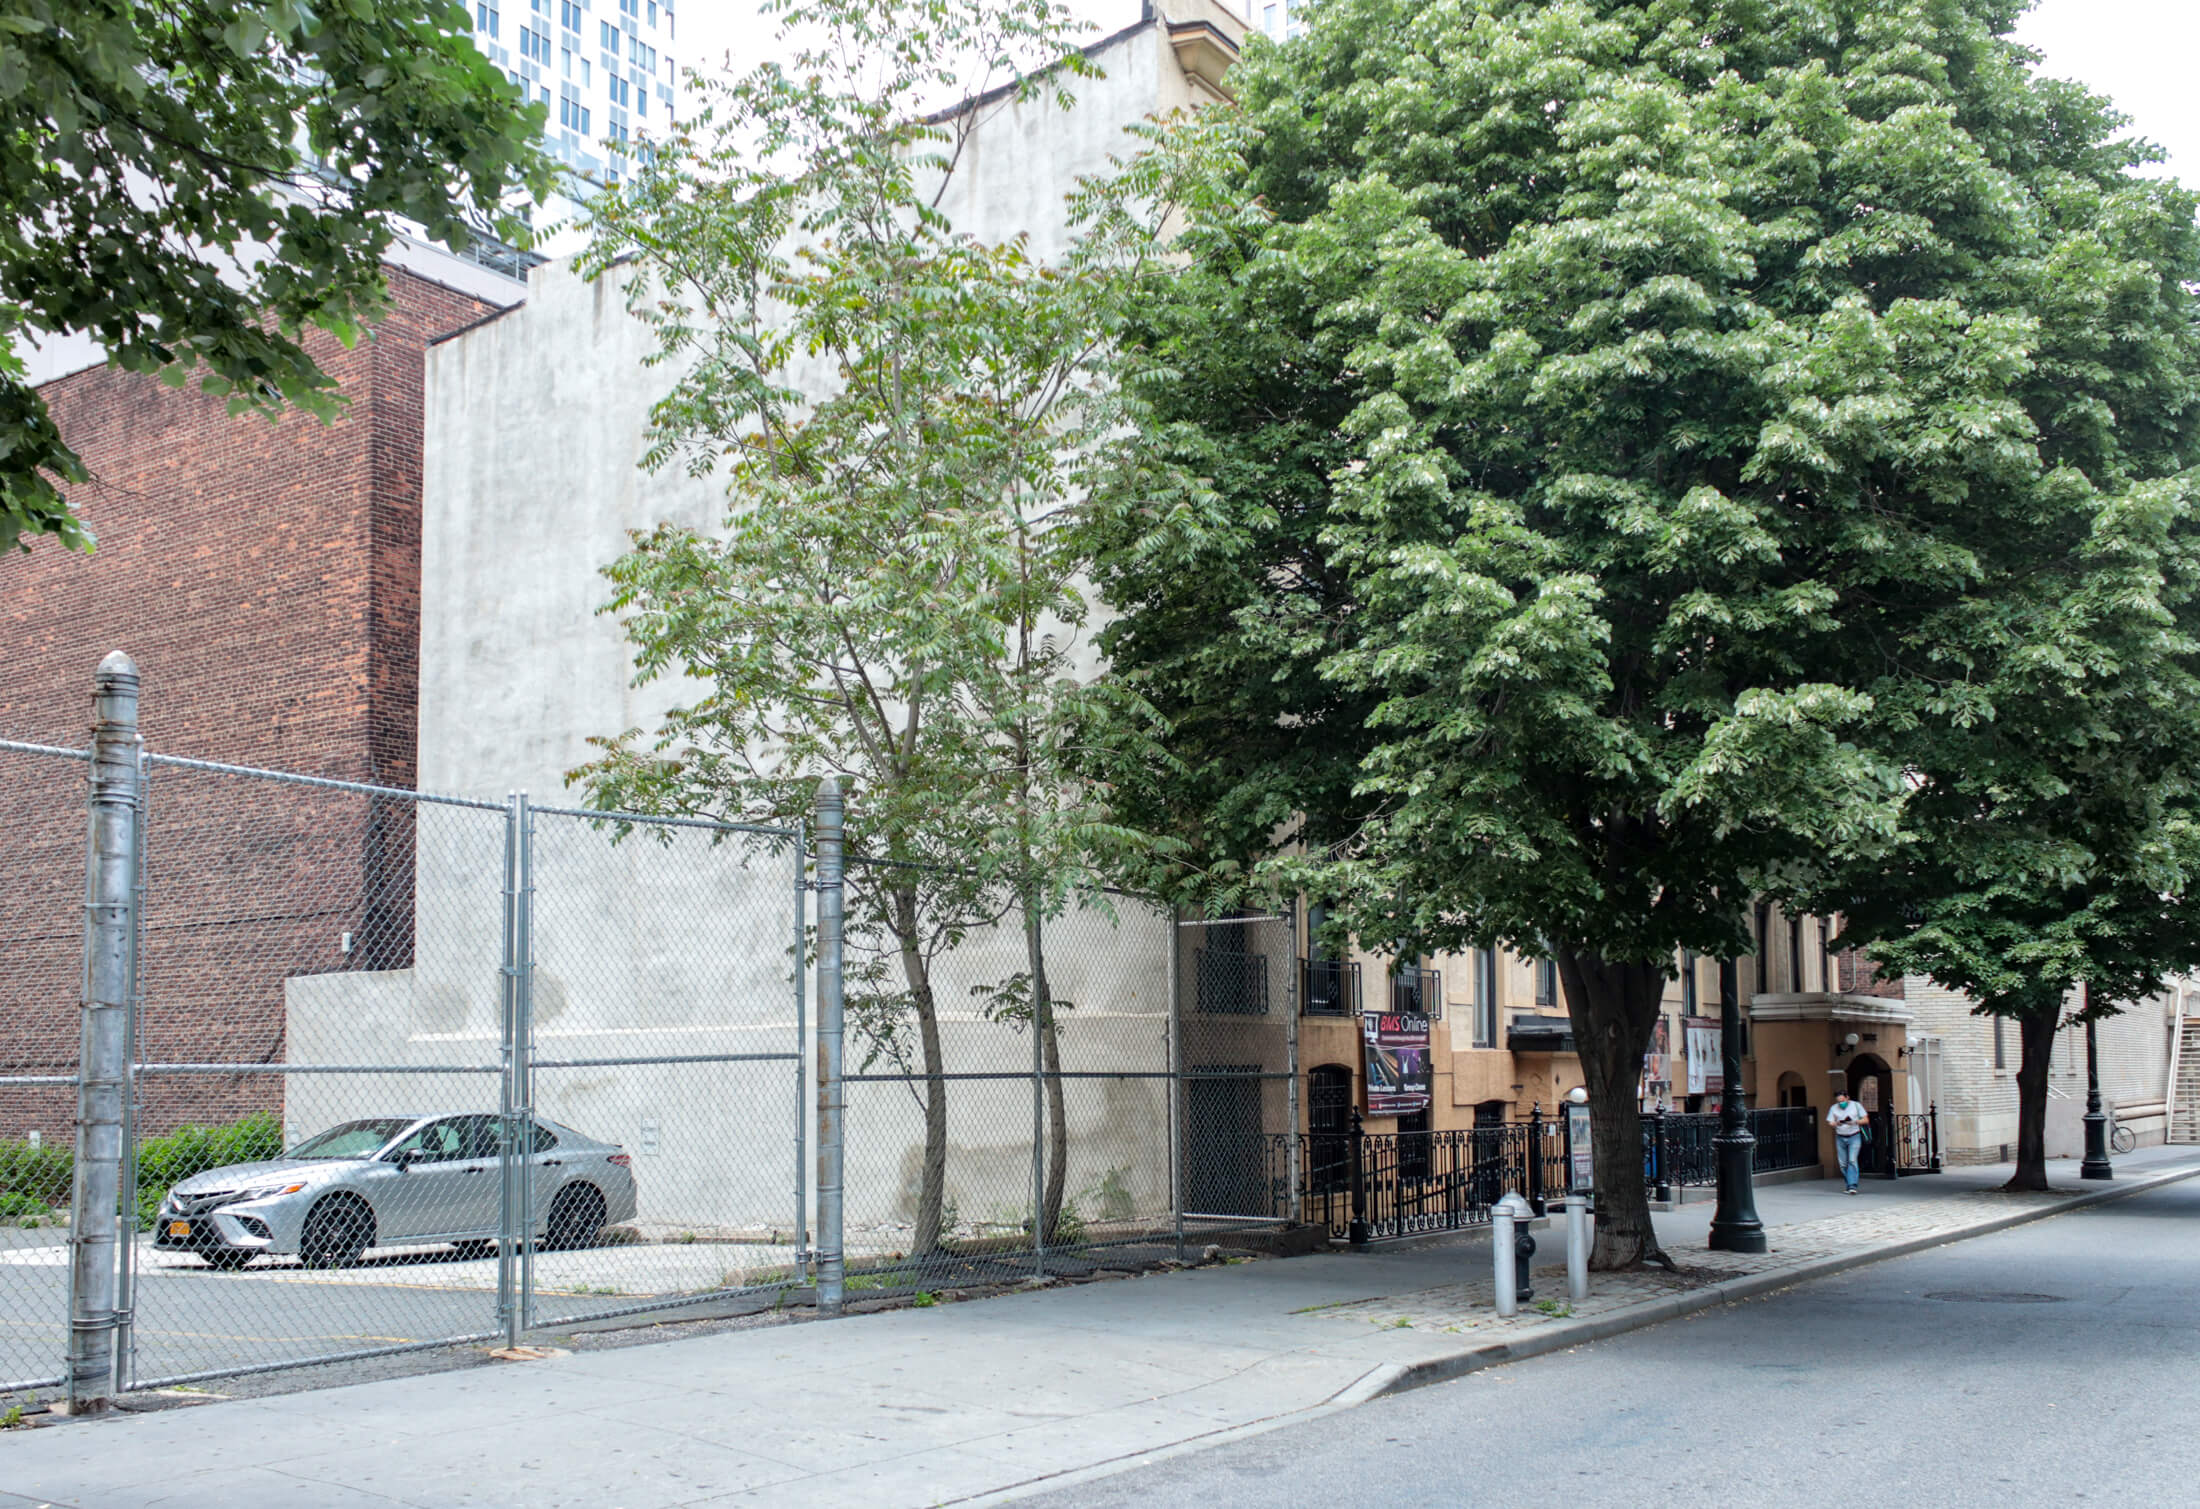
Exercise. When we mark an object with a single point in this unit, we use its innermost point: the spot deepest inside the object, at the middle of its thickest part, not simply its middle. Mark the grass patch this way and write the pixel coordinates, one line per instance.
(1553, 1308)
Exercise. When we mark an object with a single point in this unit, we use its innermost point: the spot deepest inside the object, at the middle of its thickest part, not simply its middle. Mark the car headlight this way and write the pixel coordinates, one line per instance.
(270, 1192)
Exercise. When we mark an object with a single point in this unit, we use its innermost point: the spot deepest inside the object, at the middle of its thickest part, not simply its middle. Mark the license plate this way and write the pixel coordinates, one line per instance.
(179, 1228)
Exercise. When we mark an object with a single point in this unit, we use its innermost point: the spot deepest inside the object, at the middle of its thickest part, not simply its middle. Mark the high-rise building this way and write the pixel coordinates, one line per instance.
(603, 68)
(1280, 18)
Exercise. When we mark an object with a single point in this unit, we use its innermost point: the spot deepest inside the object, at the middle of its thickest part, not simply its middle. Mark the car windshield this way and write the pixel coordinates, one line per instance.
(354, 1139)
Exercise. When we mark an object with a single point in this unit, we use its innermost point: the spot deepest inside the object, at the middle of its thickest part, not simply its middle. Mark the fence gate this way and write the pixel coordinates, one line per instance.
(1237, 1065)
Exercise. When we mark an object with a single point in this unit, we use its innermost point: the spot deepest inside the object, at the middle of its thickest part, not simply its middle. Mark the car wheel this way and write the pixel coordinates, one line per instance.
(228, 1259)
(477, 1248)
(337, 1231)
(576, 1217)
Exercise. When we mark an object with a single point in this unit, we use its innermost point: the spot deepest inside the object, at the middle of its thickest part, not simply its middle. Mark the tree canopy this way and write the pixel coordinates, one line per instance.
(194, 185)
(1641, 438)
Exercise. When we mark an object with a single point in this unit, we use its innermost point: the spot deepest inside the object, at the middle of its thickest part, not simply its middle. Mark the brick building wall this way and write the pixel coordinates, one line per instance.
(266, 578)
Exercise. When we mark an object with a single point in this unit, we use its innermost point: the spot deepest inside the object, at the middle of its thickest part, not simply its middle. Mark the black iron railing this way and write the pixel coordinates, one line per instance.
(1368, 1186)
(1330, 987)
(1905, 1144)
(1678, 1150)
(1417, 990)
(1229, 983)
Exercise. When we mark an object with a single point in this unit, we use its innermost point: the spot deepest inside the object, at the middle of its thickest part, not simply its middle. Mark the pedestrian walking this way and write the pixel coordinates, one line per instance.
(1847, 1120)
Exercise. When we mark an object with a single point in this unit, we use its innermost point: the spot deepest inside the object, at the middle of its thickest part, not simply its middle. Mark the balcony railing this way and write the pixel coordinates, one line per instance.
(1229, 983)
(1329, 987)
(1417, 990)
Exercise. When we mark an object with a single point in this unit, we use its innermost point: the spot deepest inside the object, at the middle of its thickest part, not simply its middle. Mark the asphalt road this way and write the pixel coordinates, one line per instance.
(2055, 1363)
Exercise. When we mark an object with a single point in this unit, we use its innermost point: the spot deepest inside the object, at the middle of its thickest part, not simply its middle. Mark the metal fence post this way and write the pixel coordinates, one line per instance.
(1658, 1152)
(102, 1068)
(801, 1070)
(523, 998)
(832, 1095)
(509, 1163)
(1535, 1157)
(1356, 1150)
(1176, 1081)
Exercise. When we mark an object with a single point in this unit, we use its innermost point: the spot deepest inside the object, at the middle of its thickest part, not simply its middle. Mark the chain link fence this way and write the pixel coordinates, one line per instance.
(42, 894)
(401, 1070)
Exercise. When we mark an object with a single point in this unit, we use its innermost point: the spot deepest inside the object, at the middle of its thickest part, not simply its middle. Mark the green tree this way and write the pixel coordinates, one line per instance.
(194, 185)
(1623, 413)
(903, 414)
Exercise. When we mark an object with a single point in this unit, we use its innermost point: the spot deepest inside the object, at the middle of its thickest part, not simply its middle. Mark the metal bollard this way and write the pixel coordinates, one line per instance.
(1577, 1248)
(1512, 1250)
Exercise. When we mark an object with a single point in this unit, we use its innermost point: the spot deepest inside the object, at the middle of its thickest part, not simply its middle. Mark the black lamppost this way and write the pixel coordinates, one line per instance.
(1734, 1223)
(2096, 1164)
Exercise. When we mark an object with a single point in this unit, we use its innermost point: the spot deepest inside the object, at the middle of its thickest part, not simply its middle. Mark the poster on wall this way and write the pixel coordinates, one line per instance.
(1397, 1061)
(1705, 1076)
(1657, 1067)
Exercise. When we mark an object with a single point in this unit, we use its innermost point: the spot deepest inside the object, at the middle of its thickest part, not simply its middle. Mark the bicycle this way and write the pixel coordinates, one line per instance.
(2121, 1139)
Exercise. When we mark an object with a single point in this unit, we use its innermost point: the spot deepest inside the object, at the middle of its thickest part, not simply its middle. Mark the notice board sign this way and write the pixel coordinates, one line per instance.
(1706, 1075)
(1580, 1159)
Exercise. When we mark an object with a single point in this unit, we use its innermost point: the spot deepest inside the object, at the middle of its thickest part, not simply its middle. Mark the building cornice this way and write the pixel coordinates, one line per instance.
(1828, 1006)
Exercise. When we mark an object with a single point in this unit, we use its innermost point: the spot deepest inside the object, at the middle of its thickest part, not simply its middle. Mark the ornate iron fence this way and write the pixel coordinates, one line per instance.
(1371, 1186)
(1679, 1151)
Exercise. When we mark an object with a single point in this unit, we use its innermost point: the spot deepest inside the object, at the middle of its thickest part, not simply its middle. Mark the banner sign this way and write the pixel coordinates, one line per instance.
(1582, 1172)
(1706, 1075)
(1657, 1066)
(1397, 1061)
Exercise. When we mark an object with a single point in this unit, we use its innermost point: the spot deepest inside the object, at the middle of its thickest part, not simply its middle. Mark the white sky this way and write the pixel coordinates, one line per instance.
(2138, 52)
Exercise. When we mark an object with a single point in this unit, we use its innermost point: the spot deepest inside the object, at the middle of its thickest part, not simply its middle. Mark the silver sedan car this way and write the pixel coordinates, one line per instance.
(396, 1180)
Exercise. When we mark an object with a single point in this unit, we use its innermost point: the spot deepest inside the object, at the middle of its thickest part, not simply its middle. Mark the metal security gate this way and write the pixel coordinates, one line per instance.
(1237, 1051)
(352, 1070)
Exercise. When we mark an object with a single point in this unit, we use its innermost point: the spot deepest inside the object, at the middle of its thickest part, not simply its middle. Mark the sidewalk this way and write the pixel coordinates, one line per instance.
(968, 1401)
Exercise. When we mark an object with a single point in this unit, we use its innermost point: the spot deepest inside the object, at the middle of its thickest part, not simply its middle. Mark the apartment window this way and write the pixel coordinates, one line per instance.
(539, 7)
(653, 12)
(565, 59)
(630, 7)
(608, 35)
(534, 44)
(1764, 950)
(485, 20)
(1688, 982)
(1795, 953)
(586, 73)
(618, 89)
(1485, 997)
(616, 133)
(2001, 1052)
(569, 14)
(1546, 982)
(641, 96)
(638, 51)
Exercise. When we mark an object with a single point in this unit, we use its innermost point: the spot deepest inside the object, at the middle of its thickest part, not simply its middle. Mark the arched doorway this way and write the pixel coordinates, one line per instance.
(1792, 1092)
(1871, 1085)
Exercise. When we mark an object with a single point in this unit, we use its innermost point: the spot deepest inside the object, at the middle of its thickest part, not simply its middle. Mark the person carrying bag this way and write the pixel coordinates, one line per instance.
(1848, 1120)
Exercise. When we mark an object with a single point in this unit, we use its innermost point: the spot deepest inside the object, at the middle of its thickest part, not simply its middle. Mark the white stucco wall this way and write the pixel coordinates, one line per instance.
(535, 424)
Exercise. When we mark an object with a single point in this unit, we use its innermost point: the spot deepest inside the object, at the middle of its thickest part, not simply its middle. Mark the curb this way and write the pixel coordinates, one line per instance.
(1398, 1377)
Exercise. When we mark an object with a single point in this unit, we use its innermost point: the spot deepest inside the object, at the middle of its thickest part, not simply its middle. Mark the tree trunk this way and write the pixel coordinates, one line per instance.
(932, 1182)
(1050, 1043)
(2036, 1032)
(1050, 1062)
(1614, 1007)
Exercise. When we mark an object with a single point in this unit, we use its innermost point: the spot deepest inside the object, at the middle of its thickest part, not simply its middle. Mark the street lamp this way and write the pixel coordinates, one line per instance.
(2096, 1164)
(1734, 1223)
